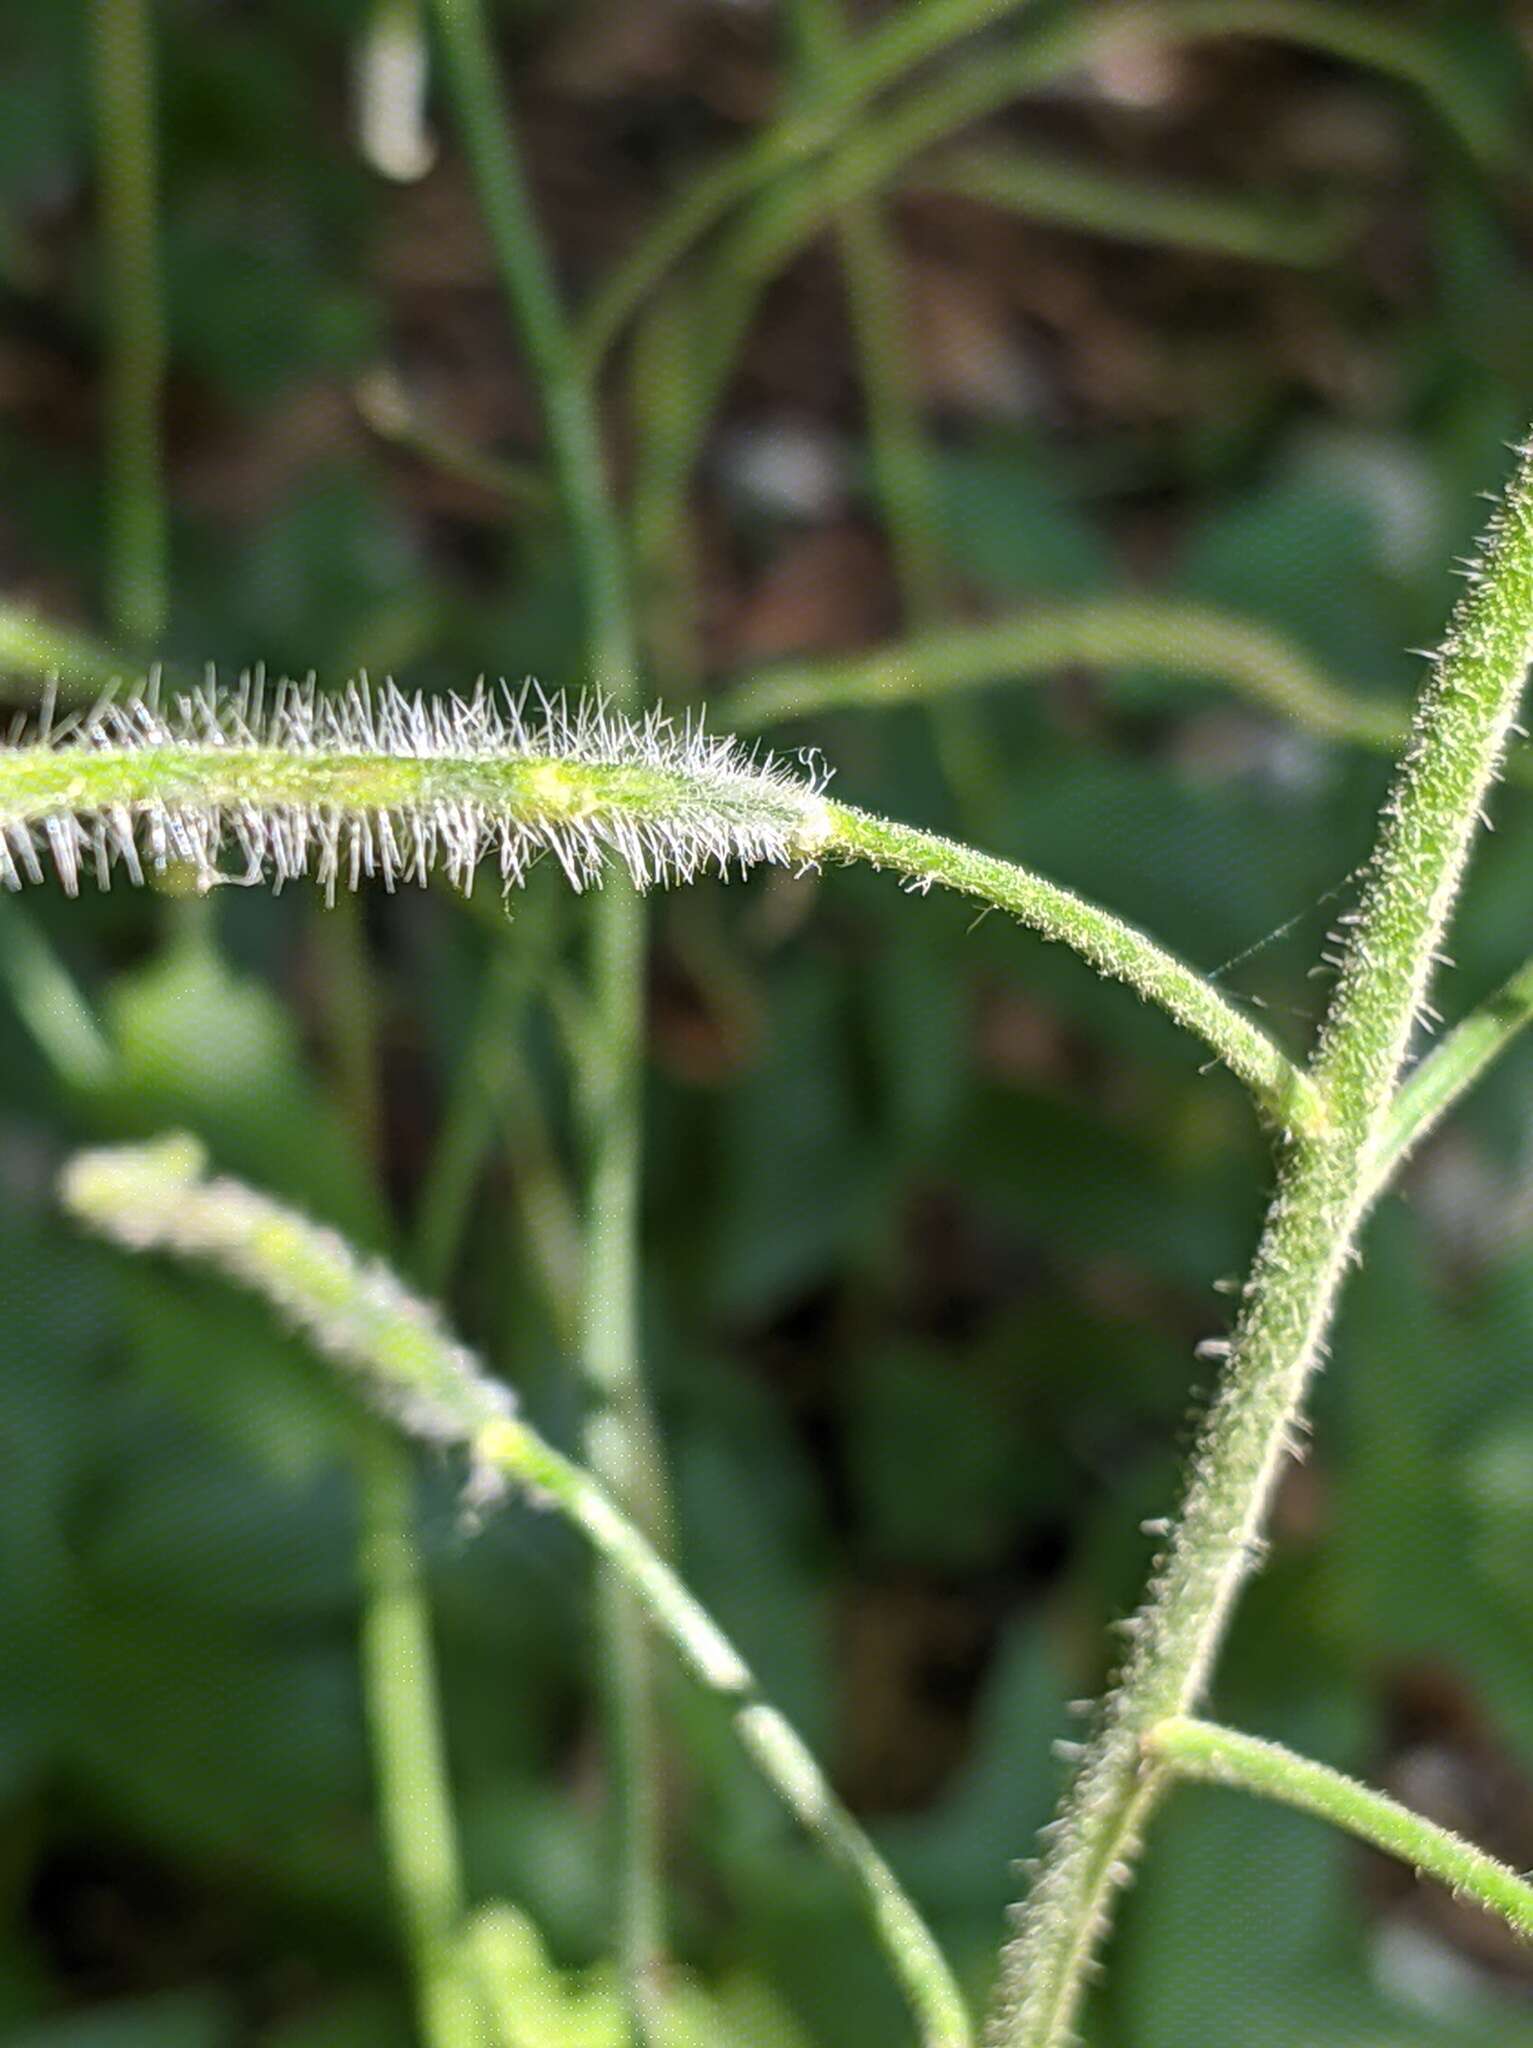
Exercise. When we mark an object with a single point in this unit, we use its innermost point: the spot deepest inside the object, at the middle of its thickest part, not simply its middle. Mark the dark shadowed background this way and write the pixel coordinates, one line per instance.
(932, 1219)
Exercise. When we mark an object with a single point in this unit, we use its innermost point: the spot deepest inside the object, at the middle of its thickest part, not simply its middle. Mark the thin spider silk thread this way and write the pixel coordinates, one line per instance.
(1215, 975)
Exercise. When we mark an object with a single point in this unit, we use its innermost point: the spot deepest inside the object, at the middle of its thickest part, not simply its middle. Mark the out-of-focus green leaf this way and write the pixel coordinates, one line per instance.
(1008, 526)
(182, 2019)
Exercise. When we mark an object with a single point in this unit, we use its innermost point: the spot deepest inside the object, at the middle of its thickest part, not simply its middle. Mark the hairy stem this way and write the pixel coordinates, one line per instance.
(664, 816)
(124, 83)
(1210, 1755)
(155, 1197)
(621, 1439)
(1324, 1188)
(1114, 948)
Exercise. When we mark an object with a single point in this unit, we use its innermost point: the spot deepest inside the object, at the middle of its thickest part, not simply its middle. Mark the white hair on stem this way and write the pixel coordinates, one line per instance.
(378, 783)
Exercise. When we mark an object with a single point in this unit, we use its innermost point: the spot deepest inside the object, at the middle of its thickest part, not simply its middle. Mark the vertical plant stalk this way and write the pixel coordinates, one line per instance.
(136, 589)
(397, 1661)
(879, 315)
(902, 469)
(404, 1727)
(621, 1440)
(1325, 1184)
(667, 345)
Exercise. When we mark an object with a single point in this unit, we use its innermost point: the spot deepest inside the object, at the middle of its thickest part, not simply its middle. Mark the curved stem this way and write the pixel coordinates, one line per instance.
(916, 33)
(1325, 1185)
(903, 475)
(1116, 949)
(155, 1197)
(1175, 636)
(1210, 1755)
(1366, 37)
(528, 284)
(665, 817)
(386, 404)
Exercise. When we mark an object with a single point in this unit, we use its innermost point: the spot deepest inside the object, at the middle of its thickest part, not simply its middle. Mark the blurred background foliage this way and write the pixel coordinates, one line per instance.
(1233, 310)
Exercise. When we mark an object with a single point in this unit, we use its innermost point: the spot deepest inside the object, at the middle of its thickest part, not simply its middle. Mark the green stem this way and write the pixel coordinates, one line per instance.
(1126, 208)
(155, 1197)
(467, 1126)
(1174, 636)
(1325, 1185)
(494, 1098)
(875, 60)
(404, 1723)
(351, 1018)
(388, 409)
(397, 1660)
(1114, 948)
(902, 468)
(660, 369)
(1210, 1755)
(564, 393)
(549, 1214)
(621, 1438)
(915, 33)
(740, 815)
(51, 1004)
(1366, 37)
(621, 1442)
(881, 150)
(137, 596)
(1451, 1069)
(880, 326)
(79, 669)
